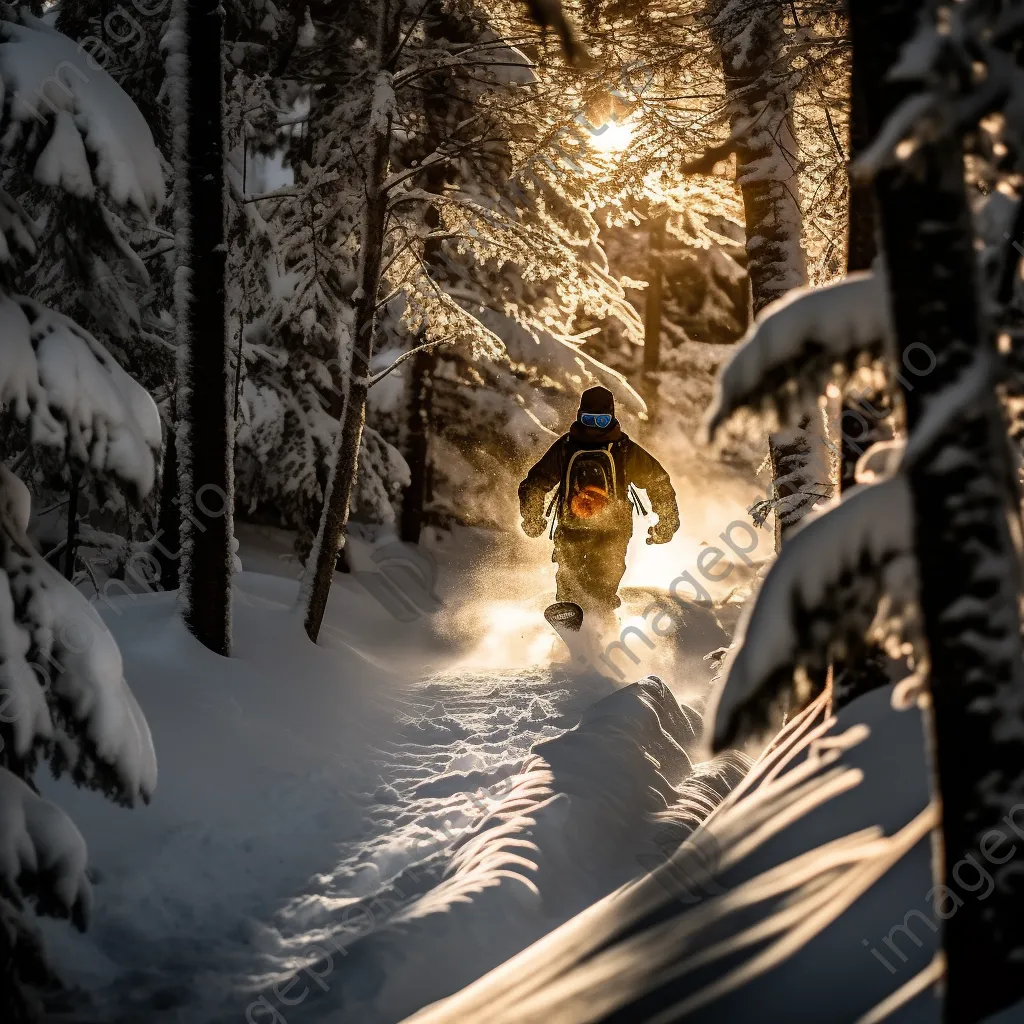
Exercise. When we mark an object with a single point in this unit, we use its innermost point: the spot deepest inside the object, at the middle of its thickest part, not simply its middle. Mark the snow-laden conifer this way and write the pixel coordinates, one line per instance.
(799, 342)
(66, 699)
(816, 606)
(952, 499)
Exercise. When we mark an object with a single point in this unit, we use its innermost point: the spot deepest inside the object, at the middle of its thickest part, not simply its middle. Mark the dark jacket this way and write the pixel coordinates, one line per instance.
(633, 465)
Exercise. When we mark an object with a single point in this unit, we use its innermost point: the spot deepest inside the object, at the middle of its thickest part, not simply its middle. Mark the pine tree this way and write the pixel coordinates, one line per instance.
(109, 273)
(967, 562)
(294, 266)
(933, 536)
(65, 697)
(520, 253)
(352, 409)
(750, 35)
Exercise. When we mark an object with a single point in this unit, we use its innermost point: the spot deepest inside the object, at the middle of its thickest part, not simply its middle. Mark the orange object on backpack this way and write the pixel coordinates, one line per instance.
(589, 502)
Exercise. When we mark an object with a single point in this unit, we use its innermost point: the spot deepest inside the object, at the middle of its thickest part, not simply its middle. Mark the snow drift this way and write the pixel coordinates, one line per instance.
(806, 893)
(584, 813)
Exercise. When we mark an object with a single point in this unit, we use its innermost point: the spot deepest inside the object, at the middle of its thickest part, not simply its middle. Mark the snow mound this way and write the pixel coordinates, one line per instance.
(259, 758)
(98, 136)
(804, 897)
(632, 745)
(42, 854)
(74, 394)
(583, 814)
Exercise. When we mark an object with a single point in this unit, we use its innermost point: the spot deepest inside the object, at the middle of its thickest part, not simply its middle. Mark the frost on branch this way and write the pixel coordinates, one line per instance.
(73, 119)
(817, 604)
(792, 350)
(42, 854)
(75, 396)
(285, 439)
(63, 670)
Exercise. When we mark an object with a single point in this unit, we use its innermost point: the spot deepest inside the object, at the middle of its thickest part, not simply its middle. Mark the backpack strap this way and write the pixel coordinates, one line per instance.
(556, 502)
(619, 453)
(634, 497)
(553, 507)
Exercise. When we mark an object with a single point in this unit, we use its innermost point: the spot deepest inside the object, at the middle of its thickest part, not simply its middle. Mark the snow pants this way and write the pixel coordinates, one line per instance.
(590, 568)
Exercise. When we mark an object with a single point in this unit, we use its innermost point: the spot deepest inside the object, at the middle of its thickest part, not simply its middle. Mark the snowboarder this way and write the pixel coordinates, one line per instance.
(596, 468)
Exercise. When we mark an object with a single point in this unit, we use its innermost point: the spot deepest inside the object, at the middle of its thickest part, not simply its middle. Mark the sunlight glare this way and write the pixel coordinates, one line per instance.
(612, 137)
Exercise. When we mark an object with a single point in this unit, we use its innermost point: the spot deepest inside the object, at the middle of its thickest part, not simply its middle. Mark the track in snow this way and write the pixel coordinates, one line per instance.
(507, 803)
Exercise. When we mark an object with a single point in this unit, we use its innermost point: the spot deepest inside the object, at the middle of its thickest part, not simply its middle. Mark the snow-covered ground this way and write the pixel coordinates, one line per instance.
(378, 821)
(433, 802)
(805, 898)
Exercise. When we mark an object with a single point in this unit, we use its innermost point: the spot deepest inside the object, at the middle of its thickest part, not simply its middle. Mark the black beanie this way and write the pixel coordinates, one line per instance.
(597, 400)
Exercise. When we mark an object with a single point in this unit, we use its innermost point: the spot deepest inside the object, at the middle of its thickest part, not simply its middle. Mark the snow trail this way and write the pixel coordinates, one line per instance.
(509, 804)
(380, 822)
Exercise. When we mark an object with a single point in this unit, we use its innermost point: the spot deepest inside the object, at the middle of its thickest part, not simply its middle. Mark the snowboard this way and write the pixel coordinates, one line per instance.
(566, 619)
(564, 616)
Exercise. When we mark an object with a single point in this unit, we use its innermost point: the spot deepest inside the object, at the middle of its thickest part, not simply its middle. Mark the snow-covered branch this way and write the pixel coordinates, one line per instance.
(42, 854)
(793, 349)
(64, 669)
(99, 138)
(74, 395)
(817, 603)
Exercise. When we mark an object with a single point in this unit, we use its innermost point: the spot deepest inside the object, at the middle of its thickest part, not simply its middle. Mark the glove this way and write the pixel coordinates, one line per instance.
(534, 526)
(661, 532)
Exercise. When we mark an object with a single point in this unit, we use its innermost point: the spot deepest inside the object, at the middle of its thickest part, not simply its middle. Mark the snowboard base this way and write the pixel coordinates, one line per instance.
(564, 615)
(566, 619)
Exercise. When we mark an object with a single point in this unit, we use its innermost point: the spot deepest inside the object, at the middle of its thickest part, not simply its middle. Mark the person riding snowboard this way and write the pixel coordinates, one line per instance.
(595, 467)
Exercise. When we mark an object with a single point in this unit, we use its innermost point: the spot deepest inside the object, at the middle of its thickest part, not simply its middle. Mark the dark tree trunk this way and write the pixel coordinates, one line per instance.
(862, 231)
(865, 416)
(204, 438)
(338, 496)
(967, 561)
(421, 392)
(798, 467)
(653, 310)
(421, 397)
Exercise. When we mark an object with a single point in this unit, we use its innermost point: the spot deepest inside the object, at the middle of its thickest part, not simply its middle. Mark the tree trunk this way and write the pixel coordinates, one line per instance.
(799, 465)
(967, 561)
(862, 233)
(421, 399)
(750, 38)
(338, 495)
(204, 438)
(652, 312)
(865, 415)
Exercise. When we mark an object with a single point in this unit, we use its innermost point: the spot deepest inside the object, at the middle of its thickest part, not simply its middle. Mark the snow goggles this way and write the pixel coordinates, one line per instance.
(601, 420)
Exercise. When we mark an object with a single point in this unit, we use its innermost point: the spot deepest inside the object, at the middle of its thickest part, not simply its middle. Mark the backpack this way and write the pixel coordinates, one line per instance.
(589, 487)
